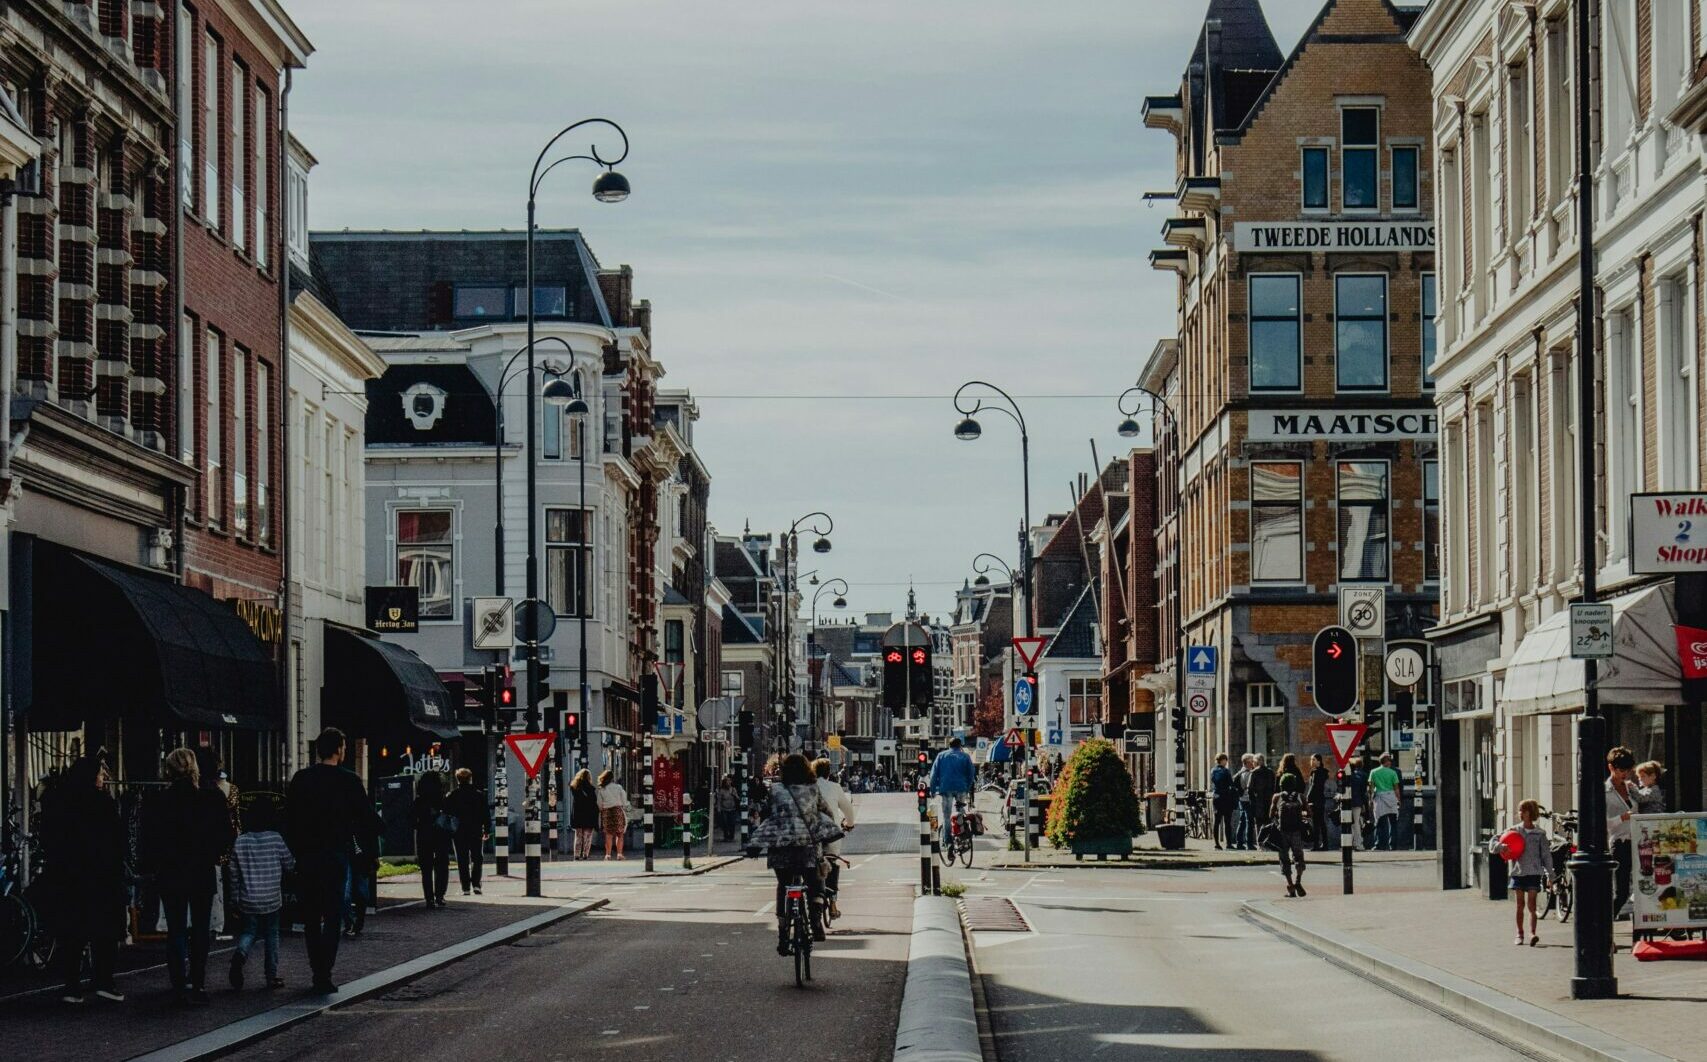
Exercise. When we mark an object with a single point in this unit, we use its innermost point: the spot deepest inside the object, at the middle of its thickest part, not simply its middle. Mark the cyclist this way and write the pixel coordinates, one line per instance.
(952, 778)
(836, 799)
(790, 832)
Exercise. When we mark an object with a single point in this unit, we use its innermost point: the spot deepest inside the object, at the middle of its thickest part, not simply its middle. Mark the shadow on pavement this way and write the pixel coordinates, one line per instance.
(1030, 1026)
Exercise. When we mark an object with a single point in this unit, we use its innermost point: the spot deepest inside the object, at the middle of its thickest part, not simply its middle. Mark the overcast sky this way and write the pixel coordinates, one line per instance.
(841, 212)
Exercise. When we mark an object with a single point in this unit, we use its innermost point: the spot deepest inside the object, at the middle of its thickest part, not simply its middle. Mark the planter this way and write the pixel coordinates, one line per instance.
(1172, 836)
(1102, 847)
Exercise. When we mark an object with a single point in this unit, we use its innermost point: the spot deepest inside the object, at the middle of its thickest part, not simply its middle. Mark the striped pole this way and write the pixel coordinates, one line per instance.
(936, 866)
(1179, 775)
(1417, 811)
(741, 791)
(1345, 833)
(554, 806)
(501, 825)
(1034, 819)
(530, 826)
(924, 845)
(646, 822)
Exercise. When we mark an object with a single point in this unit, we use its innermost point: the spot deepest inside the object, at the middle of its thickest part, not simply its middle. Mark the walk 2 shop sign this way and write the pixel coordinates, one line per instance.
(1668, 533)
(1313, 234)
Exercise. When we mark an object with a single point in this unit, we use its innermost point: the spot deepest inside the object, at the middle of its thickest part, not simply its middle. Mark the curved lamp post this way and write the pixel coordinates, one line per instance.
(810, 523)
(1155, 406)
(609, 187)
(982, 564)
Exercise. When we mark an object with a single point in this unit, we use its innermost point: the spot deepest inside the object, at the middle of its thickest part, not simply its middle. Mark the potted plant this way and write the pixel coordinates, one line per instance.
(1095, 810)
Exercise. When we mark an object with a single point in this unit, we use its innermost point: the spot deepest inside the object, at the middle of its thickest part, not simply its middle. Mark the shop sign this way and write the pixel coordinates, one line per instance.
(1668, 533)
(1340, 425)
(264, 620)
(394, 609)
(1692, 652)
(1310, 234)
(1670, 872)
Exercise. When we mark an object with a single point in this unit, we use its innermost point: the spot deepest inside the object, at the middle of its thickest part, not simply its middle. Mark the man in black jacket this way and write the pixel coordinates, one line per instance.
(1261, 791)
(1317, 795)
(326, 807)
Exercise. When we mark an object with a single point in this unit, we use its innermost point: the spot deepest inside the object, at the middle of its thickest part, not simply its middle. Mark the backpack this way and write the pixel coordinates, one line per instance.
(1291, 813)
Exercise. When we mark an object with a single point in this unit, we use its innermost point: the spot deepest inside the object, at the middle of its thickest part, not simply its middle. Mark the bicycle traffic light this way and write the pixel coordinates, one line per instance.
(1334, 673)
(894, 677)
(920, 678)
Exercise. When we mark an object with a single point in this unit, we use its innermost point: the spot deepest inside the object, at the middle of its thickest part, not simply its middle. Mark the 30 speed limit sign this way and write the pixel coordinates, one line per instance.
(1198, 704)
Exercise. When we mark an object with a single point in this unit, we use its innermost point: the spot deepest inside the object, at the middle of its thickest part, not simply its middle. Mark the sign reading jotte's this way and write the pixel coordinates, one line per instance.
(1311, 234)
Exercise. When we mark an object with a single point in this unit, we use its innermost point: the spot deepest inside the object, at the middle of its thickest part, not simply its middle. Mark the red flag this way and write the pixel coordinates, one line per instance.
(1692, 651)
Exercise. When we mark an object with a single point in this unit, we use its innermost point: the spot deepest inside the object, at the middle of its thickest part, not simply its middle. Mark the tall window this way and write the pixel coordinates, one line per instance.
(330, 469)
(1520, 183)
(1315, 166)
(567, 552)
(1265, 714)
(239, 439)
(1618, 61)
(1676, 393)
(1431, 521)
(1359, 136)
(187, 389)
(1525, 486)
(1277, 521)
(1561, 109)
(552, 428)
(263, 453)
(1561, 451)
(214, 483)
(258, 183)
(426, 558)
(1360, 331)
(1429, 308)
(1363, 520)
(1084, 701)
(211, 66)
(1274, 342)
(1405, 177)
(183, 51)
(1624, 410)
(1486, 501)
(239, 155)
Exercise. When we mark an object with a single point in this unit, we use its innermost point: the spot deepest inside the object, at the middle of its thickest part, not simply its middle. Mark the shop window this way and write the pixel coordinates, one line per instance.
(1277, 521)
(1315, 170)
(1363, 521)
(1360, 331)
(1359, 137)
(1275, 364)
(426, 554)
(567, 552)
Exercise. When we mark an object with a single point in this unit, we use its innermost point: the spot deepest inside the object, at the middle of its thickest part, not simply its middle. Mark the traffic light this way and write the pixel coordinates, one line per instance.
(924, 756)
(920, 684)
(505, 697)
(1334, 674)
(744, 728)
(541, 676)
(1178, 718)
(572, 726)
(1405, 708)
(894, 677)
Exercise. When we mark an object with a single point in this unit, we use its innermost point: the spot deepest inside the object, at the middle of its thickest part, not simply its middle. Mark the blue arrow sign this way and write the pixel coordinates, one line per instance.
(1022, 697)
(1055, 737)
(1202, 660)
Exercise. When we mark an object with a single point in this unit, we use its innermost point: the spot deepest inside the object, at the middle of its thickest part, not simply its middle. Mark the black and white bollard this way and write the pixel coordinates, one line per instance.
(687, 830)
(925, 856)
(530, 811)
(1346, 839)
(1417, 812)
(646, 820)
(746, 823)
(501, 817)
(553, 805)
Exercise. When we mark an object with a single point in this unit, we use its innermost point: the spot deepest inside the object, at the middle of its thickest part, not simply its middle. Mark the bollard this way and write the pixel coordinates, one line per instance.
(924, 848)
(687, 831)
(501, 817)
(530, 838)
(1034, 820)
(741, 790)
(553, 805)
(646, 819)
(1417, 813)
(1345, 839)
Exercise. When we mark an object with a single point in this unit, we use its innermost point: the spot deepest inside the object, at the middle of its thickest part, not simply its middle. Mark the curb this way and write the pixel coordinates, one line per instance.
(1489, 1012)
(245, 1031)
(1151, 862)
(937, 1022)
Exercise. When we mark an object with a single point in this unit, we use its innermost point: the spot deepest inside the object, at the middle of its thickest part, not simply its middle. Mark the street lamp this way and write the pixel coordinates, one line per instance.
(1128, 429)
(790, 550)
(609, 187)
(841, 601)
(982, 564)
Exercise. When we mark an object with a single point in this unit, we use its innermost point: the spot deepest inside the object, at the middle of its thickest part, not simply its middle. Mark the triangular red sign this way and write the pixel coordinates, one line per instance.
(1345, 738)
(1029, 649)
(1014, 739)
(530, 750)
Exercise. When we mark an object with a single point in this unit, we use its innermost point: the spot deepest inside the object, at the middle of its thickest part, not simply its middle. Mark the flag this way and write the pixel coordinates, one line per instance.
(1692, 651)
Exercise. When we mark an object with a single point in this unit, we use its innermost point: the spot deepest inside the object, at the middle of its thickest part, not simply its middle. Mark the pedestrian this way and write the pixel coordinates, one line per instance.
(259, 859)
(467, 805)
(728, 805)
(835, 799)
(1243, 837)
(1262, 788)
(1289, 820)
(434, 829)
(1620, 805)
(1357, 795)
(1225, 801)
(361, 883)
(583, 812)
(951, 780)
(790, 831)
(327, 808)
(613, 812)
(186, 831)
(83, 884)
(1384, 796)
(1316, 795)
(1289, 777)
(1528, 867)
(1650, 790)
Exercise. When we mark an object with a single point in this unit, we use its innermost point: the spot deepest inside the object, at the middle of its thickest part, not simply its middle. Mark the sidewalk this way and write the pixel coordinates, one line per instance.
(1454, 951)
(561, 877)
(1147, 854)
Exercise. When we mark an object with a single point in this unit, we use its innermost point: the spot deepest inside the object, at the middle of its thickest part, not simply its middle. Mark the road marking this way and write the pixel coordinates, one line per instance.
(766, 908)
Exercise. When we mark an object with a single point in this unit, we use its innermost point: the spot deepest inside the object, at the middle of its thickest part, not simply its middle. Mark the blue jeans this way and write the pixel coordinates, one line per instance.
(266, 927)
(187, 937)
(1242, 833)
(947, 804)
(1387, 832)
(357, 898)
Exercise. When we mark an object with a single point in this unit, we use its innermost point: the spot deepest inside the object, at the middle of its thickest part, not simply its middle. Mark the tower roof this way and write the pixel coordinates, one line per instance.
(1246, 41)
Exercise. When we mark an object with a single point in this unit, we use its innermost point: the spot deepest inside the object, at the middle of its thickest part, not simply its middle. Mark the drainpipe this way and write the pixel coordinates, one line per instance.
(8, 360)
(281, 509)
(186, 402)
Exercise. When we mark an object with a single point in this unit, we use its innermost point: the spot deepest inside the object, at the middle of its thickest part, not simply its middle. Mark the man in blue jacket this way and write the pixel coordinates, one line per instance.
(952, 777)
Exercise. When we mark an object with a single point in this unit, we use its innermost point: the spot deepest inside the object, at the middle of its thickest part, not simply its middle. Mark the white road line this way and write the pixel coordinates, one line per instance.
(766, 909)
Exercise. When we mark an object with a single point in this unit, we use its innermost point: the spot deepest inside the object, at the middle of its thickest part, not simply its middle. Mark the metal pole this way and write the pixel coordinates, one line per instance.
(532, 686)
(1346, 839)
(582, 575)
(501, 823)
(647, 822)
(1592, 865)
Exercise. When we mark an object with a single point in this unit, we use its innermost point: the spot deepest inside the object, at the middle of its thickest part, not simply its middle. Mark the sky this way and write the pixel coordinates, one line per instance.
(841, 212)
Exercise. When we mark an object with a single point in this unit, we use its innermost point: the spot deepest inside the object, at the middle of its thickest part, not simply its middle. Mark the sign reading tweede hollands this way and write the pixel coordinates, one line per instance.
(1668, 533)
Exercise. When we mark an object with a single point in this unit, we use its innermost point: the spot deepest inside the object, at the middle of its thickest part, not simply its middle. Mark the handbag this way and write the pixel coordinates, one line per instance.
(447, 822)
(1269, 837)
(823, 829)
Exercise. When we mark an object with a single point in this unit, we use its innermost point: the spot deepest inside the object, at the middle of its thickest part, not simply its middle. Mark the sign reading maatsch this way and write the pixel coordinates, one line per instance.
(1341, 425)
(1313, 235)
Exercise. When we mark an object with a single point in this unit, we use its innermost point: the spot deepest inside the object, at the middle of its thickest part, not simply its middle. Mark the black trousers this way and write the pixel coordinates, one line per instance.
(813, 894)
(1319, 823)
(1225, 820)
(469, 857)
(1621, 876)
(1292, 856)
(435, 869)
(187, 937)
(103, 955)
(320, 896)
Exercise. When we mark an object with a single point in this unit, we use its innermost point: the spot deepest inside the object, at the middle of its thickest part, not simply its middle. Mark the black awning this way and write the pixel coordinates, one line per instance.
(113, 641)
(372, 688)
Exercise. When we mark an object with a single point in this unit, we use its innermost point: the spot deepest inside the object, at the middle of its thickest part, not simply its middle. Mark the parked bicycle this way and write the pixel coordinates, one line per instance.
(1199, 822)
(1559, 896)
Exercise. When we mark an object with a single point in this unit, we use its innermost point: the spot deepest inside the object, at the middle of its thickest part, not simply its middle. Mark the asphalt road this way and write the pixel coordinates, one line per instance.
(673, 969)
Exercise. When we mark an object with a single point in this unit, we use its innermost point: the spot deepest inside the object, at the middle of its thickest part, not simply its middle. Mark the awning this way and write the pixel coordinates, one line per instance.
(113, 641)
(1542, 676)
(373, 688)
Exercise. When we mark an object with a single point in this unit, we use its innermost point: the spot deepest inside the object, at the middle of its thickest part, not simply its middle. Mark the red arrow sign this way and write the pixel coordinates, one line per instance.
(1029, 649)
(1345, 738)
(530, 750)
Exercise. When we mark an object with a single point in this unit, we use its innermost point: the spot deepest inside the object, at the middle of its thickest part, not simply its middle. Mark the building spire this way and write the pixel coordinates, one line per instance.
(912, 602)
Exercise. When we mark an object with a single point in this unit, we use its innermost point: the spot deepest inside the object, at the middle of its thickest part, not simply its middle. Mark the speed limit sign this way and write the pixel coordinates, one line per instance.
(1198, 704)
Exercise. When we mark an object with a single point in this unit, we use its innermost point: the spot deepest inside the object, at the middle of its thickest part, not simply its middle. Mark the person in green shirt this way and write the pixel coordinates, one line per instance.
(1384, 789)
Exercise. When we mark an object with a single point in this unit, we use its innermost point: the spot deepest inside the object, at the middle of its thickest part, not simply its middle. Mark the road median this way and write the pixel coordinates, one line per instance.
(938, 1021)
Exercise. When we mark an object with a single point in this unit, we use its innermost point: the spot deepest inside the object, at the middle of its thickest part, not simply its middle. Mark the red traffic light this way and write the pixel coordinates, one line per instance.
(1335, 651)
(572, 720)
(924, 757)
(507, 697)
(893, 656)
(919, 657)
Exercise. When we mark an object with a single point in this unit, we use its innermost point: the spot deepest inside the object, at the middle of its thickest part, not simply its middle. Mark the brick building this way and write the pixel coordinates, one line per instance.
(1303, 244)
(1125, 541)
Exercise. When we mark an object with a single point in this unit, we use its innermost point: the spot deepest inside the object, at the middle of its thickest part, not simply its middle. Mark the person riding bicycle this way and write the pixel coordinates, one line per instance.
(836, 799)
(952, 778)
(790, 831)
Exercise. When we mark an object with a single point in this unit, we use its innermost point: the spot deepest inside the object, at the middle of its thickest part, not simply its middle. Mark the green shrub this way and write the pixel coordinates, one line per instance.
(1094, 798)
(953, 889)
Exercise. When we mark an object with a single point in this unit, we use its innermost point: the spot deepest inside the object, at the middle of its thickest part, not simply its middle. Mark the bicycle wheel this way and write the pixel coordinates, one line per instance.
(802, 949)
(966, 852)
(17, 926)
(1564, 904)
(946, 852)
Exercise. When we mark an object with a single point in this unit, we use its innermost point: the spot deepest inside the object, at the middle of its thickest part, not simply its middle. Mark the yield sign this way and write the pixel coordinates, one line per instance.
(1014, 739)
(1345, 737)
(1029, 649)
(530, 749)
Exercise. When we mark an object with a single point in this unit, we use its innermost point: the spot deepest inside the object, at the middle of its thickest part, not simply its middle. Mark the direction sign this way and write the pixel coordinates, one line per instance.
(1054, 737)
(494, 623)
(1363, 611)
(530, 749)
(1591, 631)
(1014, 738)
(1404, 667)
(1202, 660)
(1345, 737)
(1022, 696)
(1029, 649)
(1199, 704)
(717, 737)
(1140, 741)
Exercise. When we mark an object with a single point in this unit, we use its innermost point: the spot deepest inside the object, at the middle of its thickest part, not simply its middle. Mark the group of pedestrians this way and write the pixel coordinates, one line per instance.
(1243, 800)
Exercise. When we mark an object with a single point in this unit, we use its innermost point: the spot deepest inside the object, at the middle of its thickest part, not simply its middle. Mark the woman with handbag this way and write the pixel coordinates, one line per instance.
(797, 822)
(434, 829)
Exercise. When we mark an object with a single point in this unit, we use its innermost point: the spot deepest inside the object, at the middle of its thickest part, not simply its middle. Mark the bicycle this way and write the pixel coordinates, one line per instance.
(799, 909)
(960, 833)
(827, 894)
(1559, 894)
(1198, 821)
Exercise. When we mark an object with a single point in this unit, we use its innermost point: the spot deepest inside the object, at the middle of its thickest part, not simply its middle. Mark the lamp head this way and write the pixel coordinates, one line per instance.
(840, 602)
(576, 407)
(610, 187)
(1128, 429)
(558, 392)
(822, 545)
(967, 430)
(982, 580)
